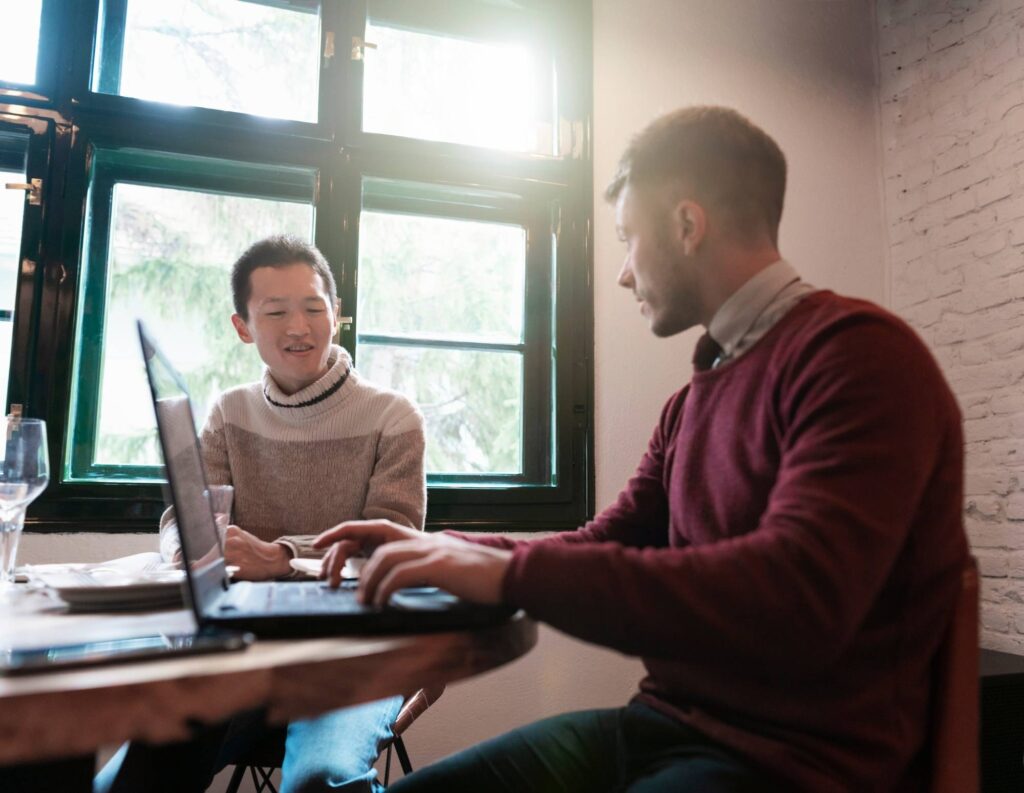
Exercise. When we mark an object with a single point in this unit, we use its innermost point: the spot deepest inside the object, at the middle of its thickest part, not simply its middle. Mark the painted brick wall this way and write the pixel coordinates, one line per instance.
(952, 126)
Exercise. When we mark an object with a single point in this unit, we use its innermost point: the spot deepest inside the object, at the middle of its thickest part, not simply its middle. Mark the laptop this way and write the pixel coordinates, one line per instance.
(271, 608)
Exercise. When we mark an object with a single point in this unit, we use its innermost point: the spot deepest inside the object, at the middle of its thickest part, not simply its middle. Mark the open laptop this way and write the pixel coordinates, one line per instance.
(270, 608)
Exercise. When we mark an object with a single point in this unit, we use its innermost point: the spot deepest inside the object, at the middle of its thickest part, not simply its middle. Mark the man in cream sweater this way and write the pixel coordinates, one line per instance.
(310, 445)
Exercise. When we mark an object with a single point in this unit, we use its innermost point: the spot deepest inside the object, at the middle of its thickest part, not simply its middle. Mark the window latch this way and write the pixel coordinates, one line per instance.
(360, 46)
(34, 190)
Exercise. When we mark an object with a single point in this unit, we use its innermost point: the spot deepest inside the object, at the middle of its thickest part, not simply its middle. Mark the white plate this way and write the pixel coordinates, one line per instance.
(100, 588)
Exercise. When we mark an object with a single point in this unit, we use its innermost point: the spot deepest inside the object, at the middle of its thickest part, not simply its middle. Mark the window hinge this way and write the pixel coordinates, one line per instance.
(360, 46)
(34, 189)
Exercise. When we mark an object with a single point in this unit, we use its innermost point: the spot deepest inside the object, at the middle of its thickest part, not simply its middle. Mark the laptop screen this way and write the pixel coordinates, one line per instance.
(200, 543)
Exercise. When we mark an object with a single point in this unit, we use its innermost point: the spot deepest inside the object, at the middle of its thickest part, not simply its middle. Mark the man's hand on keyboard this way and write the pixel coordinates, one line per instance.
(402, 557)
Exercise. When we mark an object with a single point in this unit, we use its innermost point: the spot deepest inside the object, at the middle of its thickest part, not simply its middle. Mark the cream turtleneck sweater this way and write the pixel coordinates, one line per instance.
(303, 462)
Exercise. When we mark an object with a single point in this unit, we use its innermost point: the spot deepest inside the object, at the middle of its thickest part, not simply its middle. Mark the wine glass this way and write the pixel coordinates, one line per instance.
(24, 473)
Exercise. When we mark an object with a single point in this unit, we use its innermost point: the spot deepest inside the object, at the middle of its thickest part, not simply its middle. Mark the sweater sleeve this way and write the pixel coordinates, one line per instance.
(216, 467)
(864, 418)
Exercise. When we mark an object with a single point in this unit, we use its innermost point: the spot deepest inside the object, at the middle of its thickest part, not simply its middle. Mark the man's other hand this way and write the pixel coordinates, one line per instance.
(402, 557)
(257, 560)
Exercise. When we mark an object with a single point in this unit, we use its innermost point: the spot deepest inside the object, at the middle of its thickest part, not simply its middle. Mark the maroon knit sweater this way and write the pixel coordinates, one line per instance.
(786, 556)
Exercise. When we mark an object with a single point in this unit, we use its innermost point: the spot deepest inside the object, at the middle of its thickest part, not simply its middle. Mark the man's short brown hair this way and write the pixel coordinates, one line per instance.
(727, 162)
(280, 250)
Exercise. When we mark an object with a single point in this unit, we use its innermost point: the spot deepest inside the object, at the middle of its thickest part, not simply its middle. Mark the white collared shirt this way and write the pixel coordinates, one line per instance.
(751, 311)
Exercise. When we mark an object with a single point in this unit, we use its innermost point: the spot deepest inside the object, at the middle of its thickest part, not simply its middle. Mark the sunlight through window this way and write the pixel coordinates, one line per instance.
(421, 85)
(19, 40)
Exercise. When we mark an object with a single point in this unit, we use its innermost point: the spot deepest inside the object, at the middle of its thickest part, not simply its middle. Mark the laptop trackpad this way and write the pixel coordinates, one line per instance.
(424, 598)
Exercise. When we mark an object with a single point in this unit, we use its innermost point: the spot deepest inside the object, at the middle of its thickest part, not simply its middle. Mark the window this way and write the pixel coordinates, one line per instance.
(442, 317)
(222, 54)
(19, 42)
(158, 246)
(424, 85)
(436, 152)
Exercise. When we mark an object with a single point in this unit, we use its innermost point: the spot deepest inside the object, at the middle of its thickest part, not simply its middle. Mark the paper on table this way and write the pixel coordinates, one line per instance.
(311, 567)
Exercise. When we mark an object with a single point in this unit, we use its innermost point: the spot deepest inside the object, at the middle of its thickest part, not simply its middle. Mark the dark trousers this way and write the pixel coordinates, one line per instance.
(635, 749)
(73, 775)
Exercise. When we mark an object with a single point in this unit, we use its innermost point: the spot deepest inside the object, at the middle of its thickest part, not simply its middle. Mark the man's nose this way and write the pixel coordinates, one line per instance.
(297, 325)
(626, 275)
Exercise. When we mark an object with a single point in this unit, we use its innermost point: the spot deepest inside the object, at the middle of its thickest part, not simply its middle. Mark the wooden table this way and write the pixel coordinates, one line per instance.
(52, 715)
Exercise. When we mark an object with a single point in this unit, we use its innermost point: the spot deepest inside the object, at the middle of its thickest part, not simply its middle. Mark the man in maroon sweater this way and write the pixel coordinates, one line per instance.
(786, 556)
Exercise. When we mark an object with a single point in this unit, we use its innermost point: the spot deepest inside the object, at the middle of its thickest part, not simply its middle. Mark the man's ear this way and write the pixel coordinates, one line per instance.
(692, 223)
(241, 328)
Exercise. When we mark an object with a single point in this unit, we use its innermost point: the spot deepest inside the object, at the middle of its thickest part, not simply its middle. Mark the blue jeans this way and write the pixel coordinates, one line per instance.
(332, 752)
(635, 749)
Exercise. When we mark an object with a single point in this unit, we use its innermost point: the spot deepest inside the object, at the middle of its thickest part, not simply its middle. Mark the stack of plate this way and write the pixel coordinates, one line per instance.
(92, 587)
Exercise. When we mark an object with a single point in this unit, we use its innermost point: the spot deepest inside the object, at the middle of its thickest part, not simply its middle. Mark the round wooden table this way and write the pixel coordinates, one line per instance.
(59, 714)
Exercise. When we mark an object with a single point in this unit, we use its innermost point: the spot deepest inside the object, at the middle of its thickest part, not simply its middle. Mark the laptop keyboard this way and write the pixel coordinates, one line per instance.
(290, 598)
(310, 598)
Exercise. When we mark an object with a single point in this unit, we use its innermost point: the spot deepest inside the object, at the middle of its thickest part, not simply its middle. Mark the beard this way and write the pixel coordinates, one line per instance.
(676, 307)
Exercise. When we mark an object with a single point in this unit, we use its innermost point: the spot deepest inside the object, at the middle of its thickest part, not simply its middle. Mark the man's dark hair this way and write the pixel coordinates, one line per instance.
(280, 250)
(726, 161)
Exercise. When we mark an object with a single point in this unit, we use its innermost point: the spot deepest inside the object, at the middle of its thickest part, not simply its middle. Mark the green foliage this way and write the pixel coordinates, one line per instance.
(439, 278)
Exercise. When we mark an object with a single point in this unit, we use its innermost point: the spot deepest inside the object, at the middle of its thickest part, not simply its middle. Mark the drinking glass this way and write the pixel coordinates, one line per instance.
(221, 499)
(24, 474)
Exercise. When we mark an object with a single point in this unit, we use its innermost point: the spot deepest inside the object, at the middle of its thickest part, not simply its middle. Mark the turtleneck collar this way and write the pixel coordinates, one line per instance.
(317, 397)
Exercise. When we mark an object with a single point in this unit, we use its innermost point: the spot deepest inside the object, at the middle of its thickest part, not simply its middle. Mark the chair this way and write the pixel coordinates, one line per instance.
(954, 724)
(264, 757)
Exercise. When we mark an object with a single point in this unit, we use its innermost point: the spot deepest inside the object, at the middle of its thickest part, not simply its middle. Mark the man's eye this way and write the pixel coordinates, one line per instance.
(275, 314)
(315, 310)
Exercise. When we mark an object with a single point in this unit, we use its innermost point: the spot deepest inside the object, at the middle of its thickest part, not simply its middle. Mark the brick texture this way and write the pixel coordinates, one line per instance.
(952, 130)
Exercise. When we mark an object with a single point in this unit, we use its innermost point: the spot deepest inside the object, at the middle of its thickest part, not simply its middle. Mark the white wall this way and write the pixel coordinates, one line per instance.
(953, 141)
(804, 70)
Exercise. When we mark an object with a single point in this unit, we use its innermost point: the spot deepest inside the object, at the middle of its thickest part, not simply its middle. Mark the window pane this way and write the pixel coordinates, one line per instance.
(423, 85)
(19, 40)
(12, 209)
(441, 278)
(170, 253)
(472, 402)
(224, 54)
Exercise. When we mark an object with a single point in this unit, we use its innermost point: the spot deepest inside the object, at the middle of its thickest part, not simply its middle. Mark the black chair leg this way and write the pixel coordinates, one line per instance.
(403, 756)
(387, 766)
(266, 783)
(236, 779)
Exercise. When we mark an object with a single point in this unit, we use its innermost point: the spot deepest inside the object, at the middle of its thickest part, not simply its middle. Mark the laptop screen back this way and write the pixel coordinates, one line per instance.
(200, 542)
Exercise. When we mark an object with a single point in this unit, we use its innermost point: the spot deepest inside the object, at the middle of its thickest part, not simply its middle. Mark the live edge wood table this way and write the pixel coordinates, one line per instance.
(59, 714)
